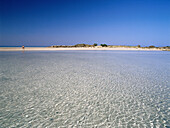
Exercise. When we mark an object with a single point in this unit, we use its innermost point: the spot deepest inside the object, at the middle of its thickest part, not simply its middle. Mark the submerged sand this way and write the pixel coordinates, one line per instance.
(56, 49)
(85, 89)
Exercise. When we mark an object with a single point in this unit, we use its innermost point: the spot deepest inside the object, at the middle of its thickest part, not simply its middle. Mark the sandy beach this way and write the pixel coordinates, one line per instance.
(58, 49)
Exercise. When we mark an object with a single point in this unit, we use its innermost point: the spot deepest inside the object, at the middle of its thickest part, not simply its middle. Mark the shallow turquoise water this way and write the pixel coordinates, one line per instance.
(85, 89)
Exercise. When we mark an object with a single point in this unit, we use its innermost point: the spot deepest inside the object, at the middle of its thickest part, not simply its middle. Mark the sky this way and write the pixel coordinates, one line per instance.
(69, 22)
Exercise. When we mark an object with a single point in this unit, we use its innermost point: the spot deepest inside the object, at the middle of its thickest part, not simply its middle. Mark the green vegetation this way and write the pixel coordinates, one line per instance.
(94, 44)
(83, 45)
(61, 46)
(103, 45)
(80, 45)
(151, 46)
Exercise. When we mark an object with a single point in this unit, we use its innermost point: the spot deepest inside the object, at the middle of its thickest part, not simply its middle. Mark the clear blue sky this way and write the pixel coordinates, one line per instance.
(68, 22)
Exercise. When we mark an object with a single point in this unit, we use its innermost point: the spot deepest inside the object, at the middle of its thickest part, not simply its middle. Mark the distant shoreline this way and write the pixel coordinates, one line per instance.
(78, 48)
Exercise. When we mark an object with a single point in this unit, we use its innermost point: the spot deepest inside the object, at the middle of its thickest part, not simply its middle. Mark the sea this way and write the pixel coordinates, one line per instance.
(85, 89)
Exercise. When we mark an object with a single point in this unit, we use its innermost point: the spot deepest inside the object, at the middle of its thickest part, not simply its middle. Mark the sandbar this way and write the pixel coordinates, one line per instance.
(79, 48)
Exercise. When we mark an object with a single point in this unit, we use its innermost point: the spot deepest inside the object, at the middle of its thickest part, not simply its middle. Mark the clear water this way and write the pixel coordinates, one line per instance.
(85, 89)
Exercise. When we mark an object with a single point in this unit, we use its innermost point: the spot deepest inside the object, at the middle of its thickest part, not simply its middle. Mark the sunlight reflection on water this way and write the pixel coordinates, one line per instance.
(85, 89)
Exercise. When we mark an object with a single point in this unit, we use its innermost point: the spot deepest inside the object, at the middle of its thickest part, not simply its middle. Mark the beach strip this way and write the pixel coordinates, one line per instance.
(62, 49)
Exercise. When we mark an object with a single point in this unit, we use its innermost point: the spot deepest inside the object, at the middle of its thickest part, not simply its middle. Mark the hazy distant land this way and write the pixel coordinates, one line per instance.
(87, 47)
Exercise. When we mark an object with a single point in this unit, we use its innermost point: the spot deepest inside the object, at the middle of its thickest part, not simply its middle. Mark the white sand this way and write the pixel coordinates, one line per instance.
(56, 49)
